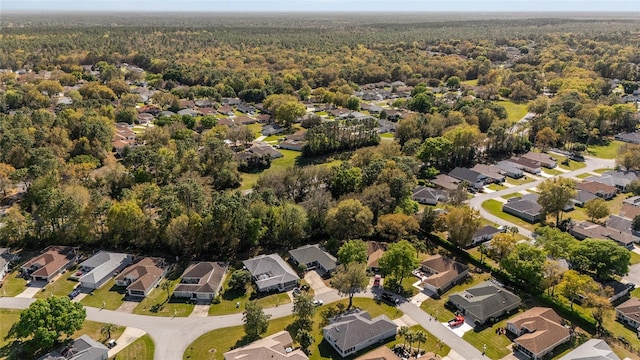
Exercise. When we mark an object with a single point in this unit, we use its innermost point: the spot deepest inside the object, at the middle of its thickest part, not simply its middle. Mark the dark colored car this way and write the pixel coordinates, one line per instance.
(388, 298)
(74, 293)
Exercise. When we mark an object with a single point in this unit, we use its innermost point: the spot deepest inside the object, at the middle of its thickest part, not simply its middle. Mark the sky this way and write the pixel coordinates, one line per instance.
(324, 5)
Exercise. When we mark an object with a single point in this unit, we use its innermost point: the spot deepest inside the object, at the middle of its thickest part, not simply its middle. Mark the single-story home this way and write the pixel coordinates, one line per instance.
(442, 273)
(4, 262)
(428, 196)
(375, 249)
(618, 178)
(313, 257)
(509, 169)
(272, 129)
(271, 273)
(601, 190)
(445, 182)
(523, 208)
(295, 145)
(189, 112)
(538, 332)
(82, 348)
(53, 261)
(592, 349)
(475, 179)
(582, 197)
(544, 159)
(483, 234)
(586, 229)
(201, 280)
(100, 268)
(630, 207)
(278, 346)
(616, 289)
(632, 138)
(141, 277)
(354, 331)
(622, 224)
(262, 148)
(528, 165)
(628, 313)
(386, 126)
(492, 172)
(484, 302)
(383, 353)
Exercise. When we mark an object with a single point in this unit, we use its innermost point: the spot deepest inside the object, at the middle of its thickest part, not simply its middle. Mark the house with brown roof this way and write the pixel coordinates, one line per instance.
(544, 159)
(278, 346)
(628, 313)
(528, 165)
(141, 277)
(375, 249)
(586, 229)
(201, 280)
(601, 190)
(539, 331)
(442, 273)
(381, 353)
(244, 120)
(53, 261)
(492, 172)
(445, 182)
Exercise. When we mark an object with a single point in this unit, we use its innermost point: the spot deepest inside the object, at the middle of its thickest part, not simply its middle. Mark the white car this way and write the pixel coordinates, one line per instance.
(318, 302)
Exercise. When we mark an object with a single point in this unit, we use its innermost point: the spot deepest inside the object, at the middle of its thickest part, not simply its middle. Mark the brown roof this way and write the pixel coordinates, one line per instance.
(225, 121)
(543, 329)
(596, 188)
(375, 250)
(244, 120)
(298, 135)
(446, 182)
(543, 159)
(51, 261)
(381, 353)
(210, 276)
(630, 308)
(445, 270)
(274, 347)
(207, 110)
(145, 272)
(524, 162)
(587, 229)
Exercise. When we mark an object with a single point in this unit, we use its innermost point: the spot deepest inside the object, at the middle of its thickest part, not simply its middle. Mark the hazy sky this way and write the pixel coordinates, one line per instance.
(325, 5)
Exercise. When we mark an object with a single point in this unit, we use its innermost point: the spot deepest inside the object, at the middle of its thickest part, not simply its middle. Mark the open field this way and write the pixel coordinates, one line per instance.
(605, 151)
(515, 111)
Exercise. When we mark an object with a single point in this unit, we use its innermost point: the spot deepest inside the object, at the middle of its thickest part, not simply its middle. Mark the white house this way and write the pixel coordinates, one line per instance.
(100, 268)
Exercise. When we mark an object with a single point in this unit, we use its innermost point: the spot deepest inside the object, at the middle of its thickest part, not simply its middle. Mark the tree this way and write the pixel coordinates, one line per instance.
(350, 279)
(345, 179)
(600, 308)
(349, 220)
(399, 261)
(461, 223)
(501, 245)
(353, 103)
(107, 329)
(635, 225)
(555, 194)
(166, 286)
(525, 263)
(546, 138)
(256, 322)
(305, 339)
(420, 337)
(394, 227)
(552, 275)
(353, 251)
(403, 331)
(303, 310)
(575, 286)
(239, 279)
(605, 258)
(46, 320)
(596, 208)
(285, 108)
(555, 242)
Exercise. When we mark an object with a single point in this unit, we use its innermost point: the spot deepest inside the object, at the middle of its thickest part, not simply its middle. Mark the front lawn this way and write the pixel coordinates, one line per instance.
(552, 171)
(495, 208)
(635, 259)
(523, 180)
(386, 135)
(273, 138)
(61, 287)
(141, 349)
(436, 308)
(602, 171)
(230, 299)
(605, 151)
(256, 128)
(13, 285)
(515, 112)
(109, 295)
(584, 175)
(496, 187)
(573, 165)
(512, 195)
(496, 344)
(159, 303)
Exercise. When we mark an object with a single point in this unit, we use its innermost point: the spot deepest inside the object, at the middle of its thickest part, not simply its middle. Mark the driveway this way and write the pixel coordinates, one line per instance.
(127, 306)
(129, 335)
(201, 309)
(317, 284)
(32, 289)
(634, 275)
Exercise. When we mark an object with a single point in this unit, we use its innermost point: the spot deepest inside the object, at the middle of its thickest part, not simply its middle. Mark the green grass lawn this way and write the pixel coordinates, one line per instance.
(515, 112)
(552, 171)
(523, 180)
(214, 344)
(433, 344)
(256, 129)
(60, 287)
(605, 151)
(496, 344)
(601, 171)
(573, 165)
(496, 187)
(141, 349)
(495, 208)
(109, 293)
(635, 259)
(386, 135)
(473, 82)
(435, 307)
(512, 195)
(272, 138)
(157, 303)
(13, 285)
(277, 165)
(229, 299)
(584, 176)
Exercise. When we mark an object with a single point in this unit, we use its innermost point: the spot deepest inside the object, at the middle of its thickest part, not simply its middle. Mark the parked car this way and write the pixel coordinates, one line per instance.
(389, 298)
(111, 343)
(376, 280)
(318, 302)
(74, 293)
(457, 321)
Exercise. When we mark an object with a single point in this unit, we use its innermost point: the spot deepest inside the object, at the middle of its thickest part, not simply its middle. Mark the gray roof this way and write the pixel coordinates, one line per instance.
(508, 167)
(485, 300)
(617, 178)
(584, 196)
(423, 192)
(104, 264)
(270, 270)
(466, 174)
(82, 348)
(619, 223)
(524, 206)
(310, 253)
(487, 230)
(594, 349)
(353, 329)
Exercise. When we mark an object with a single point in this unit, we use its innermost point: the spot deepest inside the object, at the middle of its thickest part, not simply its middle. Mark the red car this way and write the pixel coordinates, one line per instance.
(376, 280)
(458, 320)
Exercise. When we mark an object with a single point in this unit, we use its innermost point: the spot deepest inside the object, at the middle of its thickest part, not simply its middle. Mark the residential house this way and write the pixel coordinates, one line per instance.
(203, 103)
(474, 178)
(382, 353)
(586, 229)
(149, 109)
(509, 169)
(100, 268)
(186, 104)
(632, 138)
(371, 108)
(190, 112)
(428, 196)
(271, 273)
(616, 289)
(82, 348)
(354, 331)
(123, 137)
(313, 257)
(231, 101)
(226, 110)
(145, 118)
(53, 261)
(246, 109)
(244, 120)
(295, 145)
(375, 249)
(592, 349)
(628, 313)
(442, 273)
(201, 280)
(544, 159)
(618, 178)
(528, 165)
(5, 262)
(622, 224)
(601, 190)
(263, 118)
(167, 113)
(630, 207)
(538, 332)
(272, 129)
(393, 115)
(207, 111)
(278, 346)
(141, 277)
(491, 172)
(523, 208)
(445, 182)
(582, 197)
(386, 126)
(263, 148)
(483, 234)
(534, 198)
(484, 302)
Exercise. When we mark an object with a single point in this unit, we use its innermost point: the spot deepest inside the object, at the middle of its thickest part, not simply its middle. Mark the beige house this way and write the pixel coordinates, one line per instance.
(278, 346)
(141, 277)
(442, 273)
(55, 260)
(539, 331)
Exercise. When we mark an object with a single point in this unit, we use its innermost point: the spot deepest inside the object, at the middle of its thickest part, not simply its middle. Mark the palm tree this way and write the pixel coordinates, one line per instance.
(483, 250)
(410, 336)
(420, 337)
(403, 332)
(107, 329)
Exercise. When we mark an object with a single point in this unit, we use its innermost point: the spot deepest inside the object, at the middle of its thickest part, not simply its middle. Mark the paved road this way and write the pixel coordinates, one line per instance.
(476, 202)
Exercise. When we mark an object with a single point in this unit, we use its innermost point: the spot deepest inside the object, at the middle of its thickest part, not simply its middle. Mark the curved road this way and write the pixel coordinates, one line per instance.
(476, 202)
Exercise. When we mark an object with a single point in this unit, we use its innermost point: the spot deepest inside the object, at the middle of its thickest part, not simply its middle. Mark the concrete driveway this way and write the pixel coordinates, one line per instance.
(32, 289)
(634, 275)
(315, 281)
(129, 335)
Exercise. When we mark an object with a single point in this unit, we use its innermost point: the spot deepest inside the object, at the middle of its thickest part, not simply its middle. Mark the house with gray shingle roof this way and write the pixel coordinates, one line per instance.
(100, 268)
(523, 208)
(593, 349)
(352, 332)
(201, 280)
(313, 257)
(484, 302)
(82, 348)
(628, 313)
(428, 196)
(618, 178)
(271, 273)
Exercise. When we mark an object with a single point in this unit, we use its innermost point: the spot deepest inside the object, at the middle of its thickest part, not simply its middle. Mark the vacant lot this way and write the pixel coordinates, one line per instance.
(609, 151)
